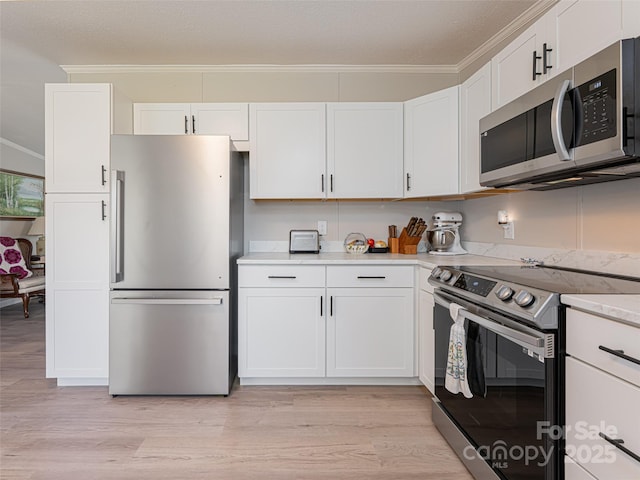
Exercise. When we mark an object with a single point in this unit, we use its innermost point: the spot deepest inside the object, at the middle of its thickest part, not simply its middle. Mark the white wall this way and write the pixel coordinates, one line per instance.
(603, 217)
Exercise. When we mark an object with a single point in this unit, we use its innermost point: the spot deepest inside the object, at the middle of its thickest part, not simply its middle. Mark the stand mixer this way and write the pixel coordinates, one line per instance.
(443, 237)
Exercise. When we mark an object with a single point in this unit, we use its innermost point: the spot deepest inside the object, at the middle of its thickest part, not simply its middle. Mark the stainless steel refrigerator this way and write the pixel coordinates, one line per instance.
(176, 232)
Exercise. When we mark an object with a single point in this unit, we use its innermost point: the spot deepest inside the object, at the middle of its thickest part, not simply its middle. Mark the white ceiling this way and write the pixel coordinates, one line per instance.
(246, 32)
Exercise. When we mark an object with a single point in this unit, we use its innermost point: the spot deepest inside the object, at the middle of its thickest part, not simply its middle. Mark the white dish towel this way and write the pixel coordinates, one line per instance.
(456, 376)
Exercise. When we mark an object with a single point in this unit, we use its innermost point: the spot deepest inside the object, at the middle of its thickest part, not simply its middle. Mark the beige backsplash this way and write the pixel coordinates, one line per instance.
(595, 227)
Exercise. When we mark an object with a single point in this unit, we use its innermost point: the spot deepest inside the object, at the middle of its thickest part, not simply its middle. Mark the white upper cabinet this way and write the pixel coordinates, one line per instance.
(364, 150)
(161, 118)
(77, 137)
(630, 18)
(475, 103)
(221, 119)
(570, 32)
(584, 27)
(431, 144)
(523, 64)
(288, 150)
(192, 118)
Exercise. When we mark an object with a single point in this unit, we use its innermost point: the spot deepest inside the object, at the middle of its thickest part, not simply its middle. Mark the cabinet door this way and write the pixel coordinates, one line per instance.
(431, 144)
(77, 282)
(630, 18)
(512, 69)
(475, 103)
(573, 471)
(426, 345)
(370, 332)
(584, 27)
(597, 402)
(281, 332)
(288, 150)
(221, 119)
(162, 118)
(78, 129)
(364, 150)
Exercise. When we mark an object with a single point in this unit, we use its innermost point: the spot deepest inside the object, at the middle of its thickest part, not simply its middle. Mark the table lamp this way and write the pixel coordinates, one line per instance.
(37, 228)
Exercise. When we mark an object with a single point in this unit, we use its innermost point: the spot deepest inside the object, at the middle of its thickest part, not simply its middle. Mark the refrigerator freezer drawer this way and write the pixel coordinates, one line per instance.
(169, 343)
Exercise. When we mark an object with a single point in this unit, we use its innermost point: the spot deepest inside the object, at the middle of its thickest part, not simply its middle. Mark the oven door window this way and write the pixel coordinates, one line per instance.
(504, 423)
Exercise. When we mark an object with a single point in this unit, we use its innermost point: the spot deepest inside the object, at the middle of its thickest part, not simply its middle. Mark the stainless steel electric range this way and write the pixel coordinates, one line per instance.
(514, 325)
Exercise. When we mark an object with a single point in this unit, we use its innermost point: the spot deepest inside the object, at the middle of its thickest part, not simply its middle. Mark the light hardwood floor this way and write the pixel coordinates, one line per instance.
(50, 432)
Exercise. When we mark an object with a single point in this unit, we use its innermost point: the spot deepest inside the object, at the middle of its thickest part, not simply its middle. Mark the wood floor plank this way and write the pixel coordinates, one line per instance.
(281, 433)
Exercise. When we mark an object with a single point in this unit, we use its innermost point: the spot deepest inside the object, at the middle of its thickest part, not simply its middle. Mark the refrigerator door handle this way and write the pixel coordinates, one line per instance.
(169, 301)
(117, 230)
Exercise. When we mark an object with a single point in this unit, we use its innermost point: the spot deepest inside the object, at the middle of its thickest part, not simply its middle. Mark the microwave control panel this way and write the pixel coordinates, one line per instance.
(597, 106)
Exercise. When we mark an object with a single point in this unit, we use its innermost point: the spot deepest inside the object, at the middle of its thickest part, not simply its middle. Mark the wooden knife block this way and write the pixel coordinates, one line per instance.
(408, 245)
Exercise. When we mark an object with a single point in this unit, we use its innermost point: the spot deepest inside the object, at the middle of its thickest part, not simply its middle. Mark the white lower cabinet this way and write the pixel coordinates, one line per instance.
(325, 322)
(282, 332)
(573, 471)
(77, 309)
(370, 332)
(426, 342)
(602, 398)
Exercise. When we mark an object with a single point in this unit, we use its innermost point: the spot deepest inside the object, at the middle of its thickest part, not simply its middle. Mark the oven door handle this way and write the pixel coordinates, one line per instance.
(542, 345)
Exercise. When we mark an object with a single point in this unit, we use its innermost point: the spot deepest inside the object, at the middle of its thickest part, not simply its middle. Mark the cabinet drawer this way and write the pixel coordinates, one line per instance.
(281, 276)
(370, 276)
(586, 333)
(598, 402)
(573, 471)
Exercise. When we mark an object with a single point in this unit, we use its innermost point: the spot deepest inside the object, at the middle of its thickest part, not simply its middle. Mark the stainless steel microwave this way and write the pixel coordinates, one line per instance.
(580, 127)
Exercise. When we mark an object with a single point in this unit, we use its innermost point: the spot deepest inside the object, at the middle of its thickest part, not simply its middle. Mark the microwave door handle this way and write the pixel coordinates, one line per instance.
(556, 121)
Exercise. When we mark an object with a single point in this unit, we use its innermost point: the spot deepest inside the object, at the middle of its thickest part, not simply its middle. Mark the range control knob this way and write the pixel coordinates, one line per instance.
(504, 293)
(436, 272)
(445, 275)
(524, 298)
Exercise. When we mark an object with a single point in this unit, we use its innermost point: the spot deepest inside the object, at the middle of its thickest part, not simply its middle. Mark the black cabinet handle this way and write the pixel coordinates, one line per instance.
(620, 354)
(536, 57)
(545, 64)
(281, 276)
(186, 125)
(374, 277)
(331, 181)
(322, 182)
(408, 182)
(104, 178)
(331, 306)
(617, 442)
(321, 300)
(193, 124)
(104, 210)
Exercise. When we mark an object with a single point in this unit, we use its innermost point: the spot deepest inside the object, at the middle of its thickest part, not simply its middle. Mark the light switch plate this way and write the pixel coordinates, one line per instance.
(322, 227)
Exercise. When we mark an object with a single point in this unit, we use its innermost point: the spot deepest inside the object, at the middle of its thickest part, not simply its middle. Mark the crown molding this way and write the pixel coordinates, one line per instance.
(20, 148)
(533, 12)
(99, 69)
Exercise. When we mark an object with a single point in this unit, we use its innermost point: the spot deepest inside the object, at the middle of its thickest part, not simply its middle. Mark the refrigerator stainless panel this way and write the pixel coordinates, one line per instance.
(169, 343)
(172, 207)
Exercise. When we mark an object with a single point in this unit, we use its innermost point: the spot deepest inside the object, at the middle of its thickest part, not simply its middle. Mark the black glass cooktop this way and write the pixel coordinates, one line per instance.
(556, 280)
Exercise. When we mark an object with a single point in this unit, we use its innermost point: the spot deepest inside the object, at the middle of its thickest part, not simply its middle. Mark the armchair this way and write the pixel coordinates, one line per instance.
(11, 285)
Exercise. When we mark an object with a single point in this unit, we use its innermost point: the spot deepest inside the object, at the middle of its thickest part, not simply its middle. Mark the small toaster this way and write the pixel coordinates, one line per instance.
(304, 241)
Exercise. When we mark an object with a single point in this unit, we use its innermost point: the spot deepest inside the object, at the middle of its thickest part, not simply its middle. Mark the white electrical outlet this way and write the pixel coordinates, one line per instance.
(509, 231)
(322, 227)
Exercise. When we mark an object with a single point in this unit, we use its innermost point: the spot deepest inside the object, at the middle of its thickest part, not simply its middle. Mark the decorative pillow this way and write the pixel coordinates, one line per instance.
(11, 260)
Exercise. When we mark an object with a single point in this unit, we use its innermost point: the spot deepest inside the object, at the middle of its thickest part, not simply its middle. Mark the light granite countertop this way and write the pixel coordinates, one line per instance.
(625, 308)
(422, 259)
